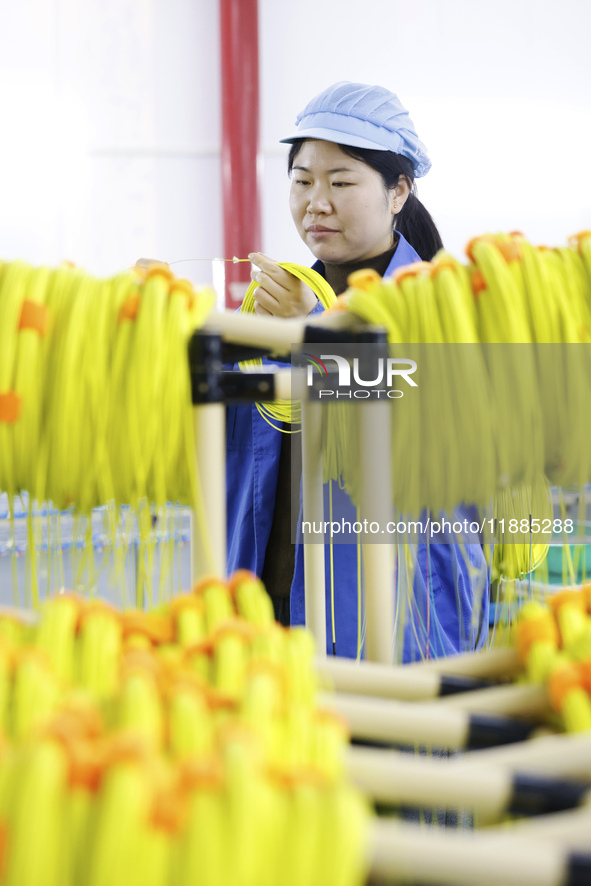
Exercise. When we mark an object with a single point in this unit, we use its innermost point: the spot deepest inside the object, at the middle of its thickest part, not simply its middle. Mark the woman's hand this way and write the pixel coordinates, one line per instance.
(279, 293)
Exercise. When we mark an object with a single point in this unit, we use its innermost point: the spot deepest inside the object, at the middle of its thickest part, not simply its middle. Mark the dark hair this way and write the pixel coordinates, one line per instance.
(413, 221)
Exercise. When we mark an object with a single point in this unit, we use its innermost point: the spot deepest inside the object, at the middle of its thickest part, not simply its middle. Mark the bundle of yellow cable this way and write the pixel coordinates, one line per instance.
(95, 403)
(169, 747)
(551, 287)
(522, 411)
(554, 292)
(528, 515)
(98, 369)
(426, 307)
(288, 411)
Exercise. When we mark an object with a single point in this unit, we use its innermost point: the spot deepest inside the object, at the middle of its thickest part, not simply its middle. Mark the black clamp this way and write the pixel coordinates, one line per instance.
(248, 387)
(205, 367)
(366, 335)
(210, 383)
(238, 353)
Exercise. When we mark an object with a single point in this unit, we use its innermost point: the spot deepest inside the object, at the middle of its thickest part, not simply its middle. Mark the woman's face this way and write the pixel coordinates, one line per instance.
(340, 206)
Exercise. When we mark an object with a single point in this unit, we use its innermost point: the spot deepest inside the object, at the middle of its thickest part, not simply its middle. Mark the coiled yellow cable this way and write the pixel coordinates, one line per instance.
(519, 505)
(288, 411)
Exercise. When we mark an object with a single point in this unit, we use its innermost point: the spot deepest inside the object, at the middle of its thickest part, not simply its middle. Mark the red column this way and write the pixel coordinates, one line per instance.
(240, 140)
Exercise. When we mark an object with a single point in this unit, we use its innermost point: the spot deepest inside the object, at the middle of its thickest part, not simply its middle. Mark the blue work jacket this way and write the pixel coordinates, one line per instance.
(449, 596)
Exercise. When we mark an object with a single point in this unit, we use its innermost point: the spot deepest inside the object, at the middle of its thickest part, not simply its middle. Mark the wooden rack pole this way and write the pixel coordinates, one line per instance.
(427, 724)
(489, 791)
(571, 829)
(208, 524)
(313, 513)
(568, 756)
(498, 663)
(208, 542)
(398, 779)
(376, 508)
(410, 853)
(521, 700)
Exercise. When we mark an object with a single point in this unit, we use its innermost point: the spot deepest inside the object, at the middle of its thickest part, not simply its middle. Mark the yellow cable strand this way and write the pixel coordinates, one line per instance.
(286, 412)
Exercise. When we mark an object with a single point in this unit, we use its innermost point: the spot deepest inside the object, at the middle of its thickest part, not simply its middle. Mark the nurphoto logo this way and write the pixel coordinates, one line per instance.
(385, 370)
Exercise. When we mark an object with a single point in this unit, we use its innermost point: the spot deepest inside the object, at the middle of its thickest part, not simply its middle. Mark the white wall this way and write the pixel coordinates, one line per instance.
(110, 132)
(499, 92)
(110, 144)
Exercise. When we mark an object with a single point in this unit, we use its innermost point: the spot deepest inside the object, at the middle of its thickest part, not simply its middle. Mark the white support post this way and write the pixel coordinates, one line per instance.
(313, 512)
(208, 541)
(376, 495)
(404, 853)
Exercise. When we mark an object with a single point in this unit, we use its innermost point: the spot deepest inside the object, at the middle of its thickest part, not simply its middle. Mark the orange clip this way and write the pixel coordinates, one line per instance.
(363, 279)
(340, 304)
(482, 238)
(129, 309)
(291, 777)
(159, 270)
(442, 264)
(542, 629)
(235, 627)
(586, 594)
(80, 717)
(567, 598)
(478, 282)
(184, 681)
(95, 607)
(125, 747)
(4, 841)
(157, 628)
(86, 765)
(576, 240)
(85, 758)
(218, 701)
(170, 810)
(34, 316)
(204, 583)
(411, 270)
(203, 647)
(565, 678)
(239, 577)
(142, 661)
(509, 249)
(201, 774)
(183, 287)
(10, 407)
(185, 601)
(585, 674)
(333, 718)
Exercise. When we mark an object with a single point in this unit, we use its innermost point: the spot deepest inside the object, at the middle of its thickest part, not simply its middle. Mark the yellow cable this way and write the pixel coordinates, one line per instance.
(288, 411)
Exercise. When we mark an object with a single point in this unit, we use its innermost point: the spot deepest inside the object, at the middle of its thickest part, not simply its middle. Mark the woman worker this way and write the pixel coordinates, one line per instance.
(353, 160)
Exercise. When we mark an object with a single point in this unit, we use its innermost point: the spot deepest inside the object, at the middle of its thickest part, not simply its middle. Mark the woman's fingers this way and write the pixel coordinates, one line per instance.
(268, 284)
(270, 267)
(263, 312)
(275, 280)
(283, 294)
(266, 300)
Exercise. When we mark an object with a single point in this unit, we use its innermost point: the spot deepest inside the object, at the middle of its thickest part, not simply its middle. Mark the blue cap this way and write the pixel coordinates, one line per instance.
(363, 117)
